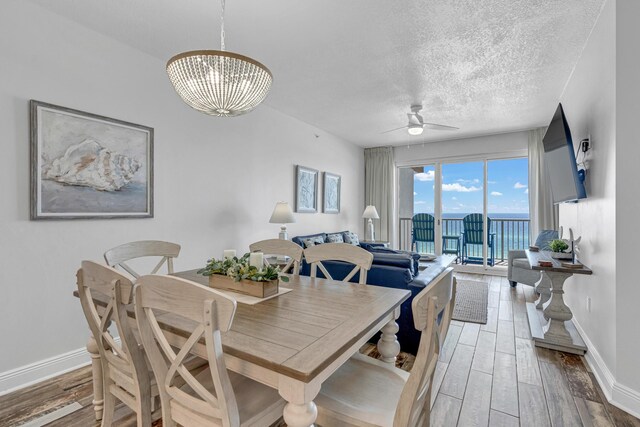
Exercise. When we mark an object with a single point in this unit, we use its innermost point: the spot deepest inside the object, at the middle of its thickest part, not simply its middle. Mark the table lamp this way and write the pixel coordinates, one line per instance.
(282, 214)
(370, 213)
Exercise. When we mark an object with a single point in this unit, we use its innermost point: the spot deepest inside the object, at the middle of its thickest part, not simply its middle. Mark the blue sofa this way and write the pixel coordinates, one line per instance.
(390, 268)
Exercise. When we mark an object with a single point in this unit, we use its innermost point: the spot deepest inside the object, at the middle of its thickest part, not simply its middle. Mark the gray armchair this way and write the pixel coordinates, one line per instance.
(518, 269)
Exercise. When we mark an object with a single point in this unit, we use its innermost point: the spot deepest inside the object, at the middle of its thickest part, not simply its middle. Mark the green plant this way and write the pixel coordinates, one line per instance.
(239, 269)
(558, 245)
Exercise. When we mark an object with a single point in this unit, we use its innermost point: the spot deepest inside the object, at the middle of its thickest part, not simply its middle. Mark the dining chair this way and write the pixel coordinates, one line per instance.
(362, 259)
(117, 257)
(215, 396)
(368, 392)
(283, 248)
(125, 372)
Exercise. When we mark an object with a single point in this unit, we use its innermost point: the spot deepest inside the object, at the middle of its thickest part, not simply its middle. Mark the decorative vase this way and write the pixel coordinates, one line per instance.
(247, 287)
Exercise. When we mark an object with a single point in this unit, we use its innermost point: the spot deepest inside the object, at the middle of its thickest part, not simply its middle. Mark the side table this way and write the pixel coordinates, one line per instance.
(549, 317)
(451, 249)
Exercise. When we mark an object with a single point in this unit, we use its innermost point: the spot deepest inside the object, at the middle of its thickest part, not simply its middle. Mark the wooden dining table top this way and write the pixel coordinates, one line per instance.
(300, 333)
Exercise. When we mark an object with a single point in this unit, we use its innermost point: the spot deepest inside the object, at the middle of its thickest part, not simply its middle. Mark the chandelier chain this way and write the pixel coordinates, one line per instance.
(222, 47)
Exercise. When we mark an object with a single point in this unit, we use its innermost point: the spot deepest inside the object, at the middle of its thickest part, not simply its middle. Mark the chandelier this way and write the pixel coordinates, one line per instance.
(217, 82)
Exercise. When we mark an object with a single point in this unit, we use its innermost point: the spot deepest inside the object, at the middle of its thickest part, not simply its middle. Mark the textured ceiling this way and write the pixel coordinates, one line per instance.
(352, 68)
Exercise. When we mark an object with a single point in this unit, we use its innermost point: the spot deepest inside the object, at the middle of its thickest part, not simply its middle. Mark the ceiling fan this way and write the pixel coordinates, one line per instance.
(417, 124)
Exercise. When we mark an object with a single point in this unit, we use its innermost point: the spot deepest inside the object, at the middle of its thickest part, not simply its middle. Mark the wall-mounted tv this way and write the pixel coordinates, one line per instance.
(560, 160)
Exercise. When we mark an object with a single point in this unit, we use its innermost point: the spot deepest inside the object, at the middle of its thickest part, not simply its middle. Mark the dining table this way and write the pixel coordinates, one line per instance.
(292, 342)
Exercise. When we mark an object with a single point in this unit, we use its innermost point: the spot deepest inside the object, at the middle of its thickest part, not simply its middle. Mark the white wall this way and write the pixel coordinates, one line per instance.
(628, 200)
(504, 144)
(601, 101)
(216, 180)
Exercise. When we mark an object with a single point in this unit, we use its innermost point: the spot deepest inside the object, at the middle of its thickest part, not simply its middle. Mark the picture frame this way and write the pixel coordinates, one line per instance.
(331, 193)
(86, 166)
(306, 189)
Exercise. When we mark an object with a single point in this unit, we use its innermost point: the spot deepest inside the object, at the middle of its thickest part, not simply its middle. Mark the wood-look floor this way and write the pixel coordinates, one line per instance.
(488, 375)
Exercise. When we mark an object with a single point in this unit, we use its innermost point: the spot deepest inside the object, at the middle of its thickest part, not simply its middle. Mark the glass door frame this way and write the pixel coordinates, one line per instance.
(437, 163)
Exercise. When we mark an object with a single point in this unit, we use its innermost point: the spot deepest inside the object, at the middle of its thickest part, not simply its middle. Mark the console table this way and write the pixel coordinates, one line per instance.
(549, 317)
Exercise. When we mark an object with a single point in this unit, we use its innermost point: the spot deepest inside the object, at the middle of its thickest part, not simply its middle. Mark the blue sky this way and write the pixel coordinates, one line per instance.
(463, 187)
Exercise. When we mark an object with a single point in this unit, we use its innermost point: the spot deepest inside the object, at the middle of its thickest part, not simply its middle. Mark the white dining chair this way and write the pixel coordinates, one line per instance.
(345, 252)
(283, 248)
(367, 392)
(215, 396)
(118, 256)
(125, 371)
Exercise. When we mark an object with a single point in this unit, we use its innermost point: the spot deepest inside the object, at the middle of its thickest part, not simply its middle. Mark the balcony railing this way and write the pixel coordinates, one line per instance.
(510, 234)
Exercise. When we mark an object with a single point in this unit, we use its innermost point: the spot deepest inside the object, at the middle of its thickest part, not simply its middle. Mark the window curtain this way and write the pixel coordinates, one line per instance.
(542, 212)
(378, 188)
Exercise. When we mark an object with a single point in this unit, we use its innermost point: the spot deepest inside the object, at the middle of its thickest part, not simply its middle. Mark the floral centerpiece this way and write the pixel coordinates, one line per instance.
(238, 275)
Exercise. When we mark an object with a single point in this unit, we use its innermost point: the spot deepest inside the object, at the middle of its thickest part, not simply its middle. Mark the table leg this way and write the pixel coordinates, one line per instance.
(556, 311)
(388, 345)
(543, 287)
(96, 368)
(300, 411)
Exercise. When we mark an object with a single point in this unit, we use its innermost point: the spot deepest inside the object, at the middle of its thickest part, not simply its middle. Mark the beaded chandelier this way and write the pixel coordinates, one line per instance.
(217, 82)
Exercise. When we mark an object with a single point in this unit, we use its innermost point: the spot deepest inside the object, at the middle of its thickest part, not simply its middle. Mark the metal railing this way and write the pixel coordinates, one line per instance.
(510, 234)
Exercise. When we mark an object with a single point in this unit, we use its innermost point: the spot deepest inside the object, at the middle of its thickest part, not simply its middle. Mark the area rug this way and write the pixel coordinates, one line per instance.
(472, 298)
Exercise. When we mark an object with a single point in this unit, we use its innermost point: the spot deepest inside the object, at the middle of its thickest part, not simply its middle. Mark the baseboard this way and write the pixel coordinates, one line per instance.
(33, 373)
(617, 394)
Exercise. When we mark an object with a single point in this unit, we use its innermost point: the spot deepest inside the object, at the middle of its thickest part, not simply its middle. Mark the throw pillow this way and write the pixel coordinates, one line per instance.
(351, 238)
(312, 241)
(335, 238)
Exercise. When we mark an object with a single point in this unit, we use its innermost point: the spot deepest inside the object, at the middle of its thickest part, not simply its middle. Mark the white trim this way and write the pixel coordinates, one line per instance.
(33, 373)
(515, 154)
(617, 394)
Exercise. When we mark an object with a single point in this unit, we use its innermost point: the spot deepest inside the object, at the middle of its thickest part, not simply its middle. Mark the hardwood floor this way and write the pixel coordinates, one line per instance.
(488, 375)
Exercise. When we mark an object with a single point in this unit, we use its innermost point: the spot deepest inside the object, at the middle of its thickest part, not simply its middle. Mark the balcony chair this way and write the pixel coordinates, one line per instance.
(518, 268)
(423, 230)
(472, 232)
(368, 392)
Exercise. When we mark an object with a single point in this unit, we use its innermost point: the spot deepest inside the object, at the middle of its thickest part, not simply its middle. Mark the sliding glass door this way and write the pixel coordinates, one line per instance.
(477, 210)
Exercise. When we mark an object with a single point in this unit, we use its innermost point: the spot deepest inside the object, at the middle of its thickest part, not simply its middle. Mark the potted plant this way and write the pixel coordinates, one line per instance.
(237, 275)
(558, 248)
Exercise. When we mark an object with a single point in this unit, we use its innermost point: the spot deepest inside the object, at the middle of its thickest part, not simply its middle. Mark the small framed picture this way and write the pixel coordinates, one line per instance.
(306, 190)
(331, 199)
(88, 166)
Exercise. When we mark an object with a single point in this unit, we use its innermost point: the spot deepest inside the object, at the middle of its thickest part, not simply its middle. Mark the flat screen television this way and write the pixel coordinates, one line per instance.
(566, 183)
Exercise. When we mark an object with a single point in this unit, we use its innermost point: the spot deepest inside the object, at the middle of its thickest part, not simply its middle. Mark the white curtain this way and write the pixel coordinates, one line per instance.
(542, 211)
(378, 188)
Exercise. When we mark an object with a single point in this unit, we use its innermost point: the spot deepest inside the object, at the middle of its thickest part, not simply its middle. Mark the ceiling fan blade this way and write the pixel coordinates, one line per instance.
(436, 126)
(419, 117)
(393, 130)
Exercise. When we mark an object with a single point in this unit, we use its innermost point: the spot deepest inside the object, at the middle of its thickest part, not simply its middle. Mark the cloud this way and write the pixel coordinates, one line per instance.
(468, 181)
(420, 202)
(496, 193)
(415, 194)
(457, 187)
(526, 191)
(422, 176)
(518, 185)
(454, 198)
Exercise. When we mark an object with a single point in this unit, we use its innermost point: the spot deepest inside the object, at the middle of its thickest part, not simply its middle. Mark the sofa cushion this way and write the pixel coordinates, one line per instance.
(312, 241)
(521, 263)
(335, 238)
(299, 240)
(394, 260)
(351, 238)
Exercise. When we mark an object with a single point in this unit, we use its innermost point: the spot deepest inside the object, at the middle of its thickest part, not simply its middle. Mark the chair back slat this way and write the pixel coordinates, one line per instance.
(344, 252)
(212, 313)
(123, 364)
(423, 226)
(283, 248)
(435, 301)
(117, 257)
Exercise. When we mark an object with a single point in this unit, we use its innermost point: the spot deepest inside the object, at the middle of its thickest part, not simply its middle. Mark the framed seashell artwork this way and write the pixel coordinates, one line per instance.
(85, 166)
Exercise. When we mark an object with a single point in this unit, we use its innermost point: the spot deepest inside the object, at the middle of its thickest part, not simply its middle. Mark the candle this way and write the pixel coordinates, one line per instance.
(256, 259)
(228, 253)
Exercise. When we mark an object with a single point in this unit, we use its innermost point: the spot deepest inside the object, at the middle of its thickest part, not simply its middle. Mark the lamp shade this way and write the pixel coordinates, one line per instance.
(282, 214)
(370, 212)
